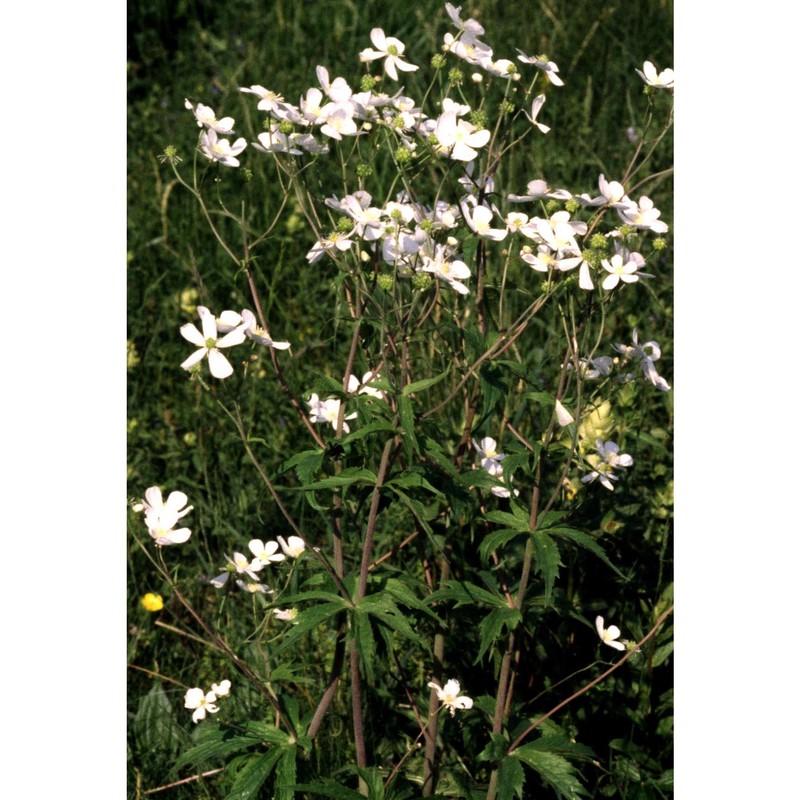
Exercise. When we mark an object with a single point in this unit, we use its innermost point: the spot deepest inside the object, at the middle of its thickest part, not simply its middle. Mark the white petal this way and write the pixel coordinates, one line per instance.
(189, 331)
(219, 365)
(194, 358)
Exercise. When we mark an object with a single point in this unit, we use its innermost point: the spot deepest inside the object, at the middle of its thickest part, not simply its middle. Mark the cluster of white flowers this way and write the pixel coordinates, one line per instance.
(264, 553)
(405, 232)
(205, 702)
(162, 517)
(229, 329)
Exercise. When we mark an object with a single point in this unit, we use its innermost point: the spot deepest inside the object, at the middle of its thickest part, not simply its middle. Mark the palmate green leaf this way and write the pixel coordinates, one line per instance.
(547, 560)
(252, 776)
(216, 742)
(347, 477)
(466, 593)
(586, 541)
(286, 774)
(306, 464)
(495, 541)
(554, 770)
(510, 779)
(492, 625)
(267, 733)
(517, 519)
(308, 620)
(383, 607)
(420, 512)
(404, 594)
(412, 479)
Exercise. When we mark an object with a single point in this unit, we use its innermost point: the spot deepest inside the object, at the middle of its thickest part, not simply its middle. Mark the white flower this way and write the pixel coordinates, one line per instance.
(294, 547)
(209, 344)
(354, 386)
(449, 696)
(619, 271)
(264, 553)
(161, 517)
(327, 411)
(480, 220)
(490, 458)
(646, 354)
(216, 149)
(389, 48)
(253, 331)
(458, 137)
(535, 109)
(285, 614)
(452, 272)
(643, 216)
(652, 77)
(607, 635)
(221, 689)
(550, 68)
(201, 702)
(253, 588)
(608, 457)
(205, 116)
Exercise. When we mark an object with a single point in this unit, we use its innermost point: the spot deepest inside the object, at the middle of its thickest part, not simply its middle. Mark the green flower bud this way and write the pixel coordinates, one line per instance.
(438, 61)
(598, 242)
(422, 281)
(386, 282)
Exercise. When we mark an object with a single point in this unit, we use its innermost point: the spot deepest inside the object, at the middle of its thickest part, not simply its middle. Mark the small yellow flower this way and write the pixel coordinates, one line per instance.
(153, 602)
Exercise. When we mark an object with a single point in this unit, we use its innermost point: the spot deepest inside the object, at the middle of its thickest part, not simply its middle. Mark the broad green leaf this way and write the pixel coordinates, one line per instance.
(426, 383)
(492, 625)
(347, 477)
(253, 775)
(406, 413)
(663, 653)
(554, 770)
(365, 641)
(373, 427)
(155, 727)
(547, 560)
(510, 779)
